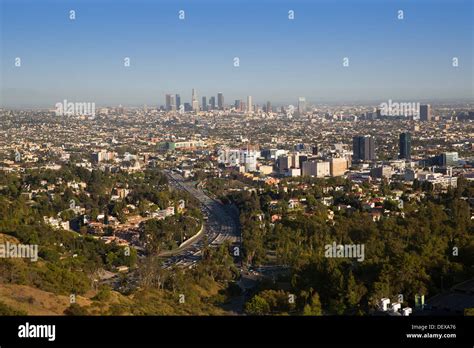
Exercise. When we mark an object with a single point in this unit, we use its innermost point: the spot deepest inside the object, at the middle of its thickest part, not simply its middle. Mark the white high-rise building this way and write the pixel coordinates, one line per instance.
(301, 105)
(249, 104)
(173, 102)
(250, 161)
(194, 101)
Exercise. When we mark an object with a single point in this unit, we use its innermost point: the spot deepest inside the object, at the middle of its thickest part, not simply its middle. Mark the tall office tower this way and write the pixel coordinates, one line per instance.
(178, 101)
(238, 105)
(249, 104)
(195, 105)
(194, 100)
(168, 102)
(301, 105)
(173, 102)
(220, 101)
(212, 102)
(425, 112)
(204, 104)
(405, 146)
(363, 148)
(269, 107)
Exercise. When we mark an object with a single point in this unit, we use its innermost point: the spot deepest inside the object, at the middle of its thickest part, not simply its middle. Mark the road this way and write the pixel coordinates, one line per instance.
(219, 227)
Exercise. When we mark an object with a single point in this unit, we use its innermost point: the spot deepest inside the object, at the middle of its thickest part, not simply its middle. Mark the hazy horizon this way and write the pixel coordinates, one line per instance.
(279, 59)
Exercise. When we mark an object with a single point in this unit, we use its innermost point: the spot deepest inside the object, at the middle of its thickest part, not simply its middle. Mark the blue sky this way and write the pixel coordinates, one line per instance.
(280, 59)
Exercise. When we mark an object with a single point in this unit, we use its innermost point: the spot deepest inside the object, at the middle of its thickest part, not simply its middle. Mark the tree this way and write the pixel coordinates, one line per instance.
(314, 306)
(257, 306)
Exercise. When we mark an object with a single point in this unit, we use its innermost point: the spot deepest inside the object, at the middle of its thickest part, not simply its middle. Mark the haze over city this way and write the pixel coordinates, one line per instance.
(279, 58)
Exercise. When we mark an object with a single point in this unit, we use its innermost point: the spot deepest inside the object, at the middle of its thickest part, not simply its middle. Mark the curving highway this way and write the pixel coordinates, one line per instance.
(221, 224)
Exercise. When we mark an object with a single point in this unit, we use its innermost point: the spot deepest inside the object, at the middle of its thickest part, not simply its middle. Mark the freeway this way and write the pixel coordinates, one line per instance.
(221, 225)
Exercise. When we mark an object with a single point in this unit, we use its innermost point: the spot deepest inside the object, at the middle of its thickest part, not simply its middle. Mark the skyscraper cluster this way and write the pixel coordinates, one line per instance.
(173, 102)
